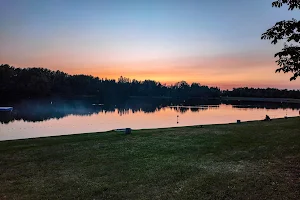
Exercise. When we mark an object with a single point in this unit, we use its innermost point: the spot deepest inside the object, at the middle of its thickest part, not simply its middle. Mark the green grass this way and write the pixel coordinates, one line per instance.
(252, 160)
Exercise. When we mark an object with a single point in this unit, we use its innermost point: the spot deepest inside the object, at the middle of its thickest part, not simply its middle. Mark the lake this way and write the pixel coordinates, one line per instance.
(39, 118)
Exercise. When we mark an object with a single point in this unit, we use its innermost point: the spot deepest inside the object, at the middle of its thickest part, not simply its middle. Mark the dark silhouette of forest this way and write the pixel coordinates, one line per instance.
(262, 93)
(41, 82)
(23, 83)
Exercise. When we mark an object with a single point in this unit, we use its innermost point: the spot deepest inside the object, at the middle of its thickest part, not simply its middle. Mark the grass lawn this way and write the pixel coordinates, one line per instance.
(252, 160)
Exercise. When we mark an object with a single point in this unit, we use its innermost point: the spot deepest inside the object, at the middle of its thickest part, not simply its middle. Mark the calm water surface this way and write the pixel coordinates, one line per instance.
(48, 118)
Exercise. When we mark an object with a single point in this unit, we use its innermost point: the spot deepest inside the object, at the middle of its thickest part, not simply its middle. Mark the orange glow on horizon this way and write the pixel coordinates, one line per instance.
(225, 72)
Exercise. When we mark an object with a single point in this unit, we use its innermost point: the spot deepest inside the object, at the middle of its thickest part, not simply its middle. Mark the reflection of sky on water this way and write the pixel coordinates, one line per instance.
(43, 119)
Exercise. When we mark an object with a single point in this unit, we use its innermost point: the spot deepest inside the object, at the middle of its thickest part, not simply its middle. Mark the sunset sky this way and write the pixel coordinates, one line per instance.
(216, 43)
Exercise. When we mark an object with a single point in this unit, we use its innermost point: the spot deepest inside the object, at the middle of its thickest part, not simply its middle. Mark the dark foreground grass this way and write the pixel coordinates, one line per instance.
(253, 160)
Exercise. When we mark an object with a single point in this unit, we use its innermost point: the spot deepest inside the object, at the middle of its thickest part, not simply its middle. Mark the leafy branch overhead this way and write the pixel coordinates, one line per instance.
(292, 4)
(289, 31)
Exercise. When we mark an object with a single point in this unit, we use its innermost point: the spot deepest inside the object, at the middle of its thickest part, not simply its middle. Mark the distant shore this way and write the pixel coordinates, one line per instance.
(257, 99)
(275, 100)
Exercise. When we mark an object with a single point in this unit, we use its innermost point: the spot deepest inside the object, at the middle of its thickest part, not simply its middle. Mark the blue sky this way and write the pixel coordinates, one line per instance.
(106, 38)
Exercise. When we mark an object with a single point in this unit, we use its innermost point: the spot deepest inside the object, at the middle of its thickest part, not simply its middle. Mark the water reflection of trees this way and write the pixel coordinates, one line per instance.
(263, 105)
(183, 109)
(41, 110)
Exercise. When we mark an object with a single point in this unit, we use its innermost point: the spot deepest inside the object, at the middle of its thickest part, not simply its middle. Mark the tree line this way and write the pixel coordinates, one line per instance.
(40, 82)
(262, 93)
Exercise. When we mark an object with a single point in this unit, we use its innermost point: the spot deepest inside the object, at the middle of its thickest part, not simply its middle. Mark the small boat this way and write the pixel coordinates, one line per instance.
(6, 108)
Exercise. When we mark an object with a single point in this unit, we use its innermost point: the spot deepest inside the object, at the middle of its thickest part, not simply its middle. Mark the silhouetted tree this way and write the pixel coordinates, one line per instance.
(289, 57)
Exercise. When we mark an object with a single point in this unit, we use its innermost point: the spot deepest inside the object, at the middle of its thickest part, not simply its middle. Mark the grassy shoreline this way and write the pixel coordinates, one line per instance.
(251, 160)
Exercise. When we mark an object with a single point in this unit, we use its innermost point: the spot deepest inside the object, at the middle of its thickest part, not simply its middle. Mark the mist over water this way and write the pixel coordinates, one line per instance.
(49, 117)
